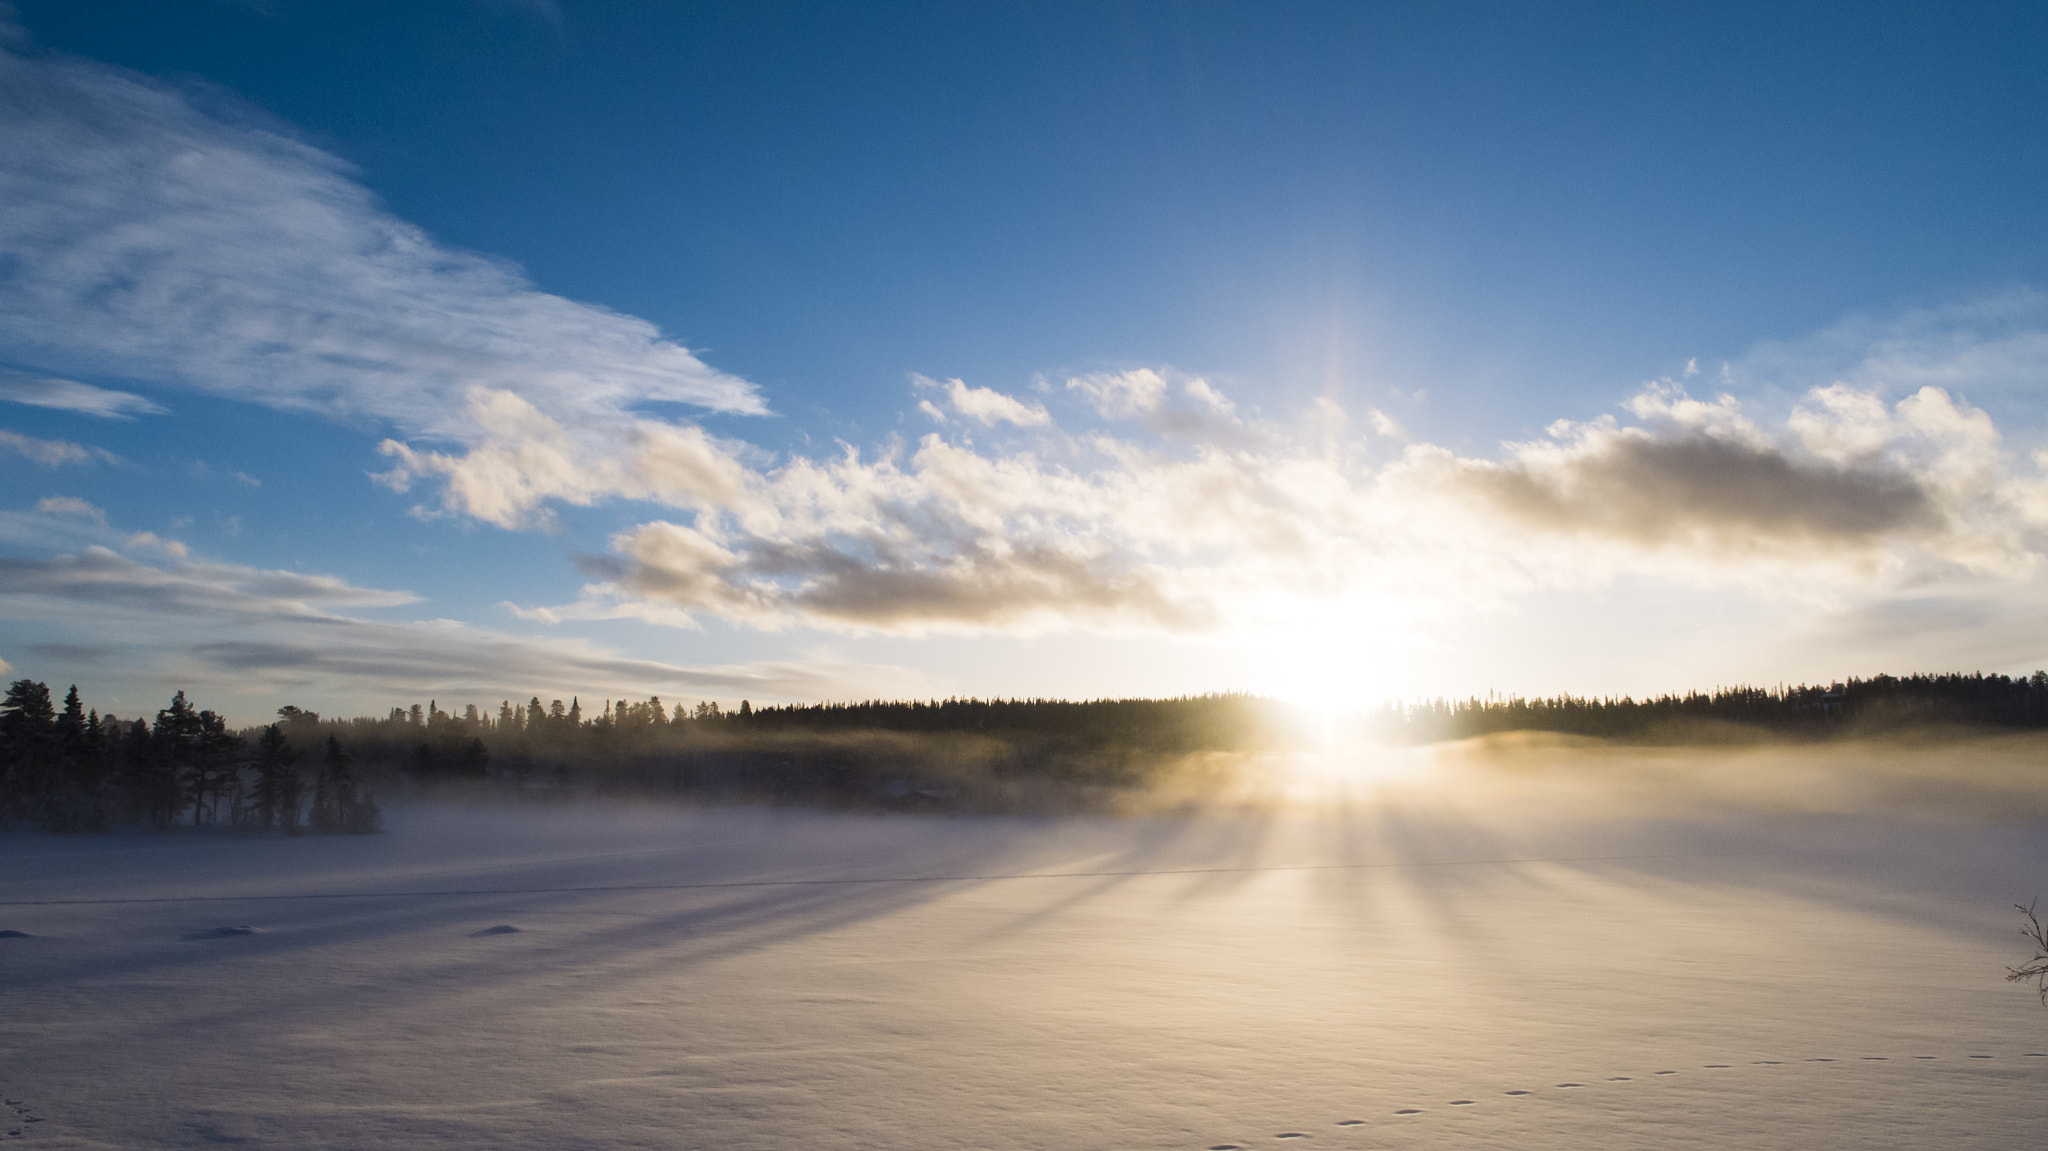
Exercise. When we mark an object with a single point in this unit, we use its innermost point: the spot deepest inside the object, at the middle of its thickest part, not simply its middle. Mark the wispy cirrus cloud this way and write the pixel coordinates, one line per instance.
(72, 396)
(71, 506)
(208, 248)
(1988, 348)
(54, 453)
(141, 613)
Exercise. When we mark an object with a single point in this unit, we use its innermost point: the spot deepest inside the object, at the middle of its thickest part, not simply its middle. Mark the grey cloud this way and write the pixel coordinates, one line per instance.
(1647, 490)
(974, 587)
(101, 576)
(261, 633)
(150, 238)
(917, 565)
(601, 567)
(74, 652)
(394, 654)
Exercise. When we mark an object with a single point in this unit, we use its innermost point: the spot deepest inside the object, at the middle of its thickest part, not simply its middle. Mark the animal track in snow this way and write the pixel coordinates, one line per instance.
(1406, 1112)
(224, 932)
(16, 1126)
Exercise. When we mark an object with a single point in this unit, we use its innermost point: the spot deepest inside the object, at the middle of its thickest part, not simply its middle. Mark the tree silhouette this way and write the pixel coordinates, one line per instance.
(2036, 968)
(277, 780)
(29, 749)
(328, 784)
(71, 798)
(340, 801)
(174, 752)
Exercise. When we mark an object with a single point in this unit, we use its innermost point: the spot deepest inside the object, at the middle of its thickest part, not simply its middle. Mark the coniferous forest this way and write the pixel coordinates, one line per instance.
(66, 767)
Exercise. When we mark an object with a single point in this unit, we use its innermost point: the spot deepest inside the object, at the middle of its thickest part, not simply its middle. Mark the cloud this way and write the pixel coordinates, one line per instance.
(520, 458)
(978, 585)
(267, 635)
(1849, 497)
(159, 234)
(1991, 348)
(167, 235)
(72, 396)
(71, 506)
(54, 453)
(1122, 395)
(1716, 484)
(985, 406)
(1166, 403)
(102, 576)
(1099, 533)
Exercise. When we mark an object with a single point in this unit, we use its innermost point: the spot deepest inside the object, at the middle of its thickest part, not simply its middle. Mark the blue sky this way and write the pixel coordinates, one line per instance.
(353, 353)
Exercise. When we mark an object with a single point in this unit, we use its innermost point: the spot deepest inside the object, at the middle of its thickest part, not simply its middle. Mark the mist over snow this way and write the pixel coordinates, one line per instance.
(1395, 955)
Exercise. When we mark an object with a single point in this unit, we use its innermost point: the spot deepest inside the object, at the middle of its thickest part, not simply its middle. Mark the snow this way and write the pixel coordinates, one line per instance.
(1668, 968)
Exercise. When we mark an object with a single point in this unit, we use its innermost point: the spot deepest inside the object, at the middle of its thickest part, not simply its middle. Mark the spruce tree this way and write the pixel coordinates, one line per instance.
(276, 777)
(291, 800)
(173, 751)
(132, 770)
(67, 806)
(29, 750)
(212, 769)
(329, 785)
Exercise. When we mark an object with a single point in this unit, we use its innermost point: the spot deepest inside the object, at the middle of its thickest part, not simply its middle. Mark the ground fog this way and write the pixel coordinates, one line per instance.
(1533, 943)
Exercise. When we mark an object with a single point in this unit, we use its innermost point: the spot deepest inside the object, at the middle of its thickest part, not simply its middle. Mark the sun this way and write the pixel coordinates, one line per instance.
(1332, 663)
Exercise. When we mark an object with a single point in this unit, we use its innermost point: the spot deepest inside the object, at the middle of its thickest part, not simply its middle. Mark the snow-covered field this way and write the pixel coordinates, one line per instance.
(1407, 952)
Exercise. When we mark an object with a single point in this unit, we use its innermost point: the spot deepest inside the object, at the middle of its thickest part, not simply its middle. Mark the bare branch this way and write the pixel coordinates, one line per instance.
(2036, 968)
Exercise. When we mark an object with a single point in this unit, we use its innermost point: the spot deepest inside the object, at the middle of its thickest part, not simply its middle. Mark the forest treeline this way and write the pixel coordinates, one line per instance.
(957, 754)
(1851, 707)
(71, 769)
(67, 767)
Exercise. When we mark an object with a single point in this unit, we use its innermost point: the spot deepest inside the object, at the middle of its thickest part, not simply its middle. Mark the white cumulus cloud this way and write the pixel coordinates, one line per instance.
(985, 406)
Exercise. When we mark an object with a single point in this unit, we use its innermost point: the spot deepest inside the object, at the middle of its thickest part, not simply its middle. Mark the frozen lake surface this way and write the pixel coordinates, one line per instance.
(1390, 967)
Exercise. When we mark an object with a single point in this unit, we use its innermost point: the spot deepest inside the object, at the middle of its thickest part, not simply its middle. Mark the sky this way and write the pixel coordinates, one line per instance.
(359, 354)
